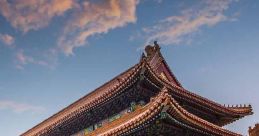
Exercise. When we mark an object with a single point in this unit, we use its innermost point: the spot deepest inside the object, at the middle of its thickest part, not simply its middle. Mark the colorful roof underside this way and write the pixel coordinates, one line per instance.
(153, 109)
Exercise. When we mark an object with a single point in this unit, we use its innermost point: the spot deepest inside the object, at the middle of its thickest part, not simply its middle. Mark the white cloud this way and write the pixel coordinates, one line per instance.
(90, 19)
(7, 39)
(178, 29)
(19, 107)
(27, 15)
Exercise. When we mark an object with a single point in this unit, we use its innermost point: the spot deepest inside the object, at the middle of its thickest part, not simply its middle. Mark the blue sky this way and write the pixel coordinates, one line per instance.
(54, 52)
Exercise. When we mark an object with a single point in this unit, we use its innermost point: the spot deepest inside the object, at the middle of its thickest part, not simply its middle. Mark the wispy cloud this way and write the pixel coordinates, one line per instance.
(86, 18)
(7, 39)
(178, 29)
(91, 18)
(22, 59)
(28, 15)
(19, 107)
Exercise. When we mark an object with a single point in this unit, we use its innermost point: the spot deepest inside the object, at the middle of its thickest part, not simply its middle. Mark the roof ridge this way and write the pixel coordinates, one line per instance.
(154, 54)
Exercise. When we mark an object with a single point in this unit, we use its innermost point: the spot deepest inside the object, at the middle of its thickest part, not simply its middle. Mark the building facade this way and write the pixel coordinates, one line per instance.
(146, 99)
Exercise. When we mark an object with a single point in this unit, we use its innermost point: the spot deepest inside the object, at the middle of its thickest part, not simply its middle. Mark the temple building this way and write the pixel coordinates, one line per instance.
(254, 131)
(146, 99)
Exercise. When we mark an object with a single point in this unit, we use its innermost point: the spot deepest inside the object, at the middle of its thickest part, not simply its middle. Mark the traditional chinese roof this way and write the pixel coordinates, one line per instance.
(153, 109)
(154, 63)
(176, 88)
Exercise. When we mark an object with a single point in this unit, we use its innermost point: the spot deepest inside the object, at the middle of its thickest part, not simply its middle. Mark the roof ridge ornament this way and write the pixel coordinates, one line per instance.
(151, 50)
(156, 45)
